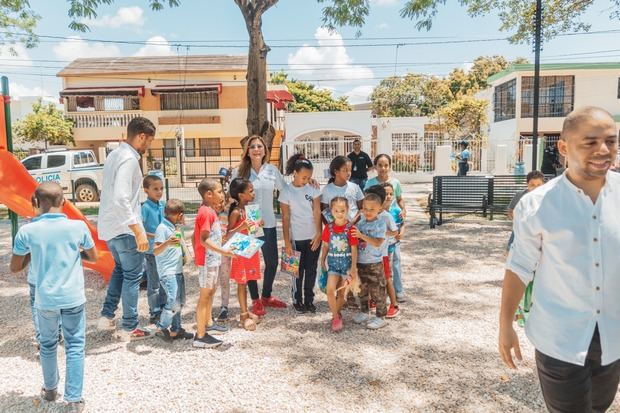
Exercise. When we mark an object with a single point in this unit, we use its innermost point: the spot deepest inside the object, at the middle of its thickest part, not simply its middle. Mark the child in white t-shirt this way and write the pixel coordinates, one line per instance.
(301, 225)
(340, 186)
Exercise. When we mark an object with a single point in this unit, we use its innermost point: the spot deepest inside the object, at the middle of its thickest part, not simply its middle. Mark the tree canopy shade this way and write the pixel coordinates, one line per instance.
(516, 16)
(308, 98)
(45, 124)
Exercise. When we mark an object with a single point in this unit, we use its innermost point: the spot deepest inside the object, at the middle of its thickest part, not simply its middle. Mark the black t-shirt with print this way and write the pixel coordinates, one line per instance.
(360, 164)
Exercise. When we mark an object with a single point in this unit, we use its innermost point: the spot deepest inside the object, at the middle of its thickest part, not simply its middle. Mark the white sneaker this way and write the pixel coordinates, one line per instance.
(401, 298)
(106, 324)
(135, 335)
(361, 318)
(376, 323)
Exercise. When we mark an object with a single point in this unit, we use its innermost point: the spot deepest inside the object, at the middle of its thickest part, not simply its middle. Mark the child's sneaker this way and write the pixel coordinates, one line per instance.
(75, 407)
(206, 342)
(49, 395)
(257, 308)
(311, 308)
(400, 297)
(372, 305)
(183, 335)
(273, 302)
(392, 312)
(299, 307)
(361, 318)
(336, 324)
(216, 329)
(105, 323)
(223, 315)
(376, 323)
(135, 335)
(164, 335)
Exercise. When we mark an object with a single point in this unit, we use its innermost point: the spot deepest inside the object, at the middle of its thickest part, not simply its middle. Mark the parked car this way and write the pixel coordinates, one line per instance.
(67, 167)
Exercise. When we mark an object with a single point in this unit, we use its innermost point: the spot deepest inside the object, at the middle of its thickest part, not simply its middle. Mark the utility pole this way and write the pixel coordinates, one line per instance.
(537, 41)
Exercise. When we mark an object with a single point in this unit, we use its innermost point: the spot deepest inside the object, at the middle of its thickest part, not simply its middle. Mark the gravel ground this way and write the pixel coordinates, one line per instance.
(438, 356)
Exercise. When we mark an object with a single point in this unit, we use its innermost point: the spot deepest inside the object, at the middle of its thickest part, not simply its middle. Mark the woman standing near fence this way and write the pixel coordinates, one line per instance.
(265, 178)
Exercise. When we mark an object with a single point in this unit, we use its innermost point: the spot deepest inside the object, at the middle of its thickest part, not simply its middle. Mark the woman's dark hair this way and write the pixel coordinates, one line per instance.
(336, 163)
(378, 190)
(382, 155)
(296, 163)
(237, 186)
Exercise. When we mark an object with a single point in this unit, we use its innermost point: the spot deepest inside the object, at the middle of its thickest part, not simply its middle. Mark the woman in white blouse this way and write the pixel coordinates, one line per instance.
(265, 178)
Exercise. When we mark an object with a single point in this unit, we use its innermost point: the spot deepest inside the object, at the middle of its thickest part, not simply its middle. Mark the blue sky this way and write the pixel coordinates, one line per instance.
(345, 68)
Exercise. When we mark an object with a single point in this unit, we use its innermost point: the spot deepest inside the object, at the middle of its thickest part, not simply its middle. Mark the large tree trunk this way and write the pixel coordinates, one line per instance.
(257, 66)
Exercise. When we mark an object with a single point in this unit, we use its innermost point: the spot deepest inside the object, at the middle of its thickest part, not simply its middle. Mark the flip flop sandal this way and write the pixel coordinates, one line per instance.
(247, 324)
(254, 317)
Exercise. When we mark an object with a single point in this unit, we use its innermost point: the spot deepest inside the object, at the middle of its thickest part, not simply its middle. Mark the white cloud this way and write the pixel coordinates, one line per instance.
(18, 90)
(156, 46)
(125, 16)
(385, 2)
(75, 47)
(332, 62)
(360, 94)
(383, 26)
(16, 55)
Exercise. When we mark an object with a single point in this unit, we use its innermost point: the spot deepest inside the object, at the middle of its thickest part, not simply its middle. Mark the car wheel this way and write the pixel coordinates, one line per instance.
(86, 193)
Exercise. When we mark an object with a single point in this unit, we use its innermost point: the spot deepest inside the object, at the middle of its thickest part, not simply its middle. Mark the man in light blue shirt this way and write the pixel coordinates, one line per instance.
(120, 225)
(567, 237)
(53, 244)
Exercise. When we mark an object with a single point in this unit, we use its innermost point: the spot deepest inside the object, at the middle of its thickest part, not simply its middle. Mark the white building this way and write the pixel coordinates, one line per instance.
(563, 87)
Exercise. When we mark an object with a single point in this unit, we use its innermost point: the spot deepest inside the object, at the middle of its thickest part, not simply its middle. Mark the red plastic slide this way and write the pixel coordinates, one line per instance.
(16, 189)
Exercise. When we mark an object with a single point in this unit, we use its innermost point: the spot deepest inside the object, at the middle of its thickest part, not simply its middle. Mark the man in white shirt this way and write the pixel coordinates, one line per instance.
(120, 225)
(567, 232)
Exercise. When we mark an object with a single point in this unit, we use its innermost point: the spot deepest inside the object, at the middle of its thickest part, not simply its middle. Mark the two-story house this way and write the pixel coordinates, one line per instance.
(563, 87)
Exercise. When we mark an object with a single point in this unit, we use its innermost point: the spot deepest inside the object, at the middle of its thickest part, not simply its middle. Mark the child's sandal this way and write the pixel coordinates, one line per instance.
(247, 323)
(254, 317)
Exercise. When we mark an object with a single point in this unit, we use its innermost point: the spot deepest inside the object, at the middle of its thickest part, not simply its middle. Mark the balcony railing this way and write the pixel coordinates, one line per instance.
(102, 120)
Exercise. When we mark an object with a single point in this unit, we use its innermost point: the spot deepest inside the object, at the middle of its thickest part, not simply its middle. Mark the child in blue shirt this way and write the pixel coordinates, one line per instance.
(169, 259)
(53, 244)
(371, 231)
(152, 216)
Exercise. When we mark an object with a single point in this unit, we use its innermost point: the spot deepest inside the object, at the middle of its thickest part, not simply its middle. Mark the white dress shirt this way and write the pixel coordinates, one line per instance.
(119, 206)
(265, 182)
(573, 247)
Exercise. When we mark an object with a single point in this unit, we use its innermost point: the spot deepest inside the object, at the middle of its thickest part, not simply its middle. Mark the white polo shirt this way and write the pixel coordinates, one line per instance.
(573, 247)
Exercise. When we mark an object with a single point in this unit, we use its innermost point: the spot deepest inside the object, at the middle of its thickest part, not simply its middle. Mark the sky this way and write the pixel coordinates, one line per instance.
(338, 61)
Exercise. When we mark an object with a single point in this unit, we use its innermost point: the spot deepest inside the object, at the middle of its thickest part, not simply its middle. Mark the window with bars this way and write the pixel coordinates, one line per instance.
(504, 101)
(557, 96)
(190, 147)
(210, 147)
(189, 100)
(170, 148)
(405, 142)
(102, 103)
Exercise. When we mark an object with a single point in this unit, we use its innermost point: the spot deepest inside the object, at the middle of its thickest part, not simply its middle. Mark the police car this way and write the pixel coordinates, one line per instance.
(67, 167)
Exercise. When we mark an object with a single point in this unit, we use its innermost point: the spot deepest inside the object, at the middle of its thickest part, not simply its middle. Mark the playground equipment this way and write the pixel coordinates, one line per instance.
(17, 187)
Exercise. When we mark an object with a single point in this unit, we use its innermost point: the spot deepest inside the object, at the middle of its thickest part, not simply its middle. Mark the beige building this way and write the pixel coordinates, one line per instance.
(206, 95)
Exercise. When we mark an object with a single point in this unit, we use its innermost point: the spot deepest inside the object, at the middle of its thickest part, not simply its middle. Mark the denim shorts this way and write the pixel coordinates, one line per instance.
(339, 272)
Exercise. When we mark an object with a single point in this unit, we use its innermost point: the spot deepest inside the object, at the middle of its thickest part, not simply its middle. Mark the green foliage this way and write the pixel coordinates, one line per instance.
(44, 124)
(18, 21)
(308, 98)
(516, 16)
(465, 116)
(399, 96)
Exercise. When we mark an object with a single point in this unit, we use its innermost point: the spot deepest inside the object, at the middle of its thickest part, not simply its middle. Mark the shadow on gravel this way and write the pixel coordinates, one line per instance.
(17, 402)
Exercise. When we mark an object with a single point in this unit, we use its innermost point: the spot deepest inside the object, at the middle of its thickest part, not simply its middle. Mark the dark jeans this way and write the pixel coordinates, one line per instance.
(463, 169)
(361, 182)
(270, 256)
(307, 272)
(568, 387)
